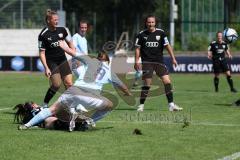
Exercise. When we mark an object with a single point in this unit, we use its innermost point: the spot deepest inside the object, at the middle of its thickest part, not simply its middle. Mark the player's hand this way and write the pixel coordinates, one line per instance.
(62, 44)
(137, 66)
(128, 94)
(230, 56)
(209, 56)
(48, 73)
(174, 62)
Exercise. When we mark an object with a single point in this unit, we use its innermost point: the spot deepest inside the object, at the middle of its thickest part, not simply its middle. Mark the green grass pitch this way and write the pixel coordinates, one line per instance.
(213, 132)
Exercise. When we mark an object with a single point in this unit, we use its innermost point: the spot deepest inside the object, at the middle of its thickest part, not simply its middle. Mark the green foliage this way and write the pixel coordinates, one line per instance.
(197, 42)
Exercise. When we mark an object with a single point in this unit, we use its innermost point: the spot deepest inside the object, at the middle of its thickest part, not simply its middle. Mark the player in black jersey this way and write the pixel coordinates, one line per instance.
(149, 45)
(53, 57)
(216, 52)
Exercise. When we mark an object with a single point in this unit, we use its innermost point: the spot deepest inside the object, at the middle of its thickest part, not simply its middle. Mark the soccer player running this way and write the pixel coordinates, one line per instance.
(149, 45)
(52, 56)
(216, 52)
(85, 93)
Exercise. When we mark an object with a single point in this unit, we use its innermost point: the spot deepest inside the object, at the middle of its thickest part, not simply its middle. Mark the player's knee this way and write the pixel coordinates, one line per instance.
(56, 85)
(145, 88)
(68, 84)
(108, 105)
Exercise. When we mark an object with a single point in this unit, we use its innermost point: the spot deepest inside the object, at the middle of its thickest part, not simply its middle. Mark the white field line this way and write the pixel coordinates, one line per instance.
(163, 122)
(2, 109)
(231, 157)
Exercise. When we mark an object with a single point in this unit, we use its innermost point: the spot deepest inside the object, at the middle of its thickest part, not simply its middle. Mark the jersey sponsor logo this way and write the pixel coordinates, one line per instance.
(220, 50)
(60, 35)
(49, 38)
(152, 44)
(145, 38)
(158, 38)
(54, 44)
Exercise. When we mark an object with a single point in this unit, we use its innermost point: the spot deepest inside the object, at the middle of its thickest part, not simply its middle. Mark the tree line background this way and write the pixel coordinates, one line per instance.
(109, 18)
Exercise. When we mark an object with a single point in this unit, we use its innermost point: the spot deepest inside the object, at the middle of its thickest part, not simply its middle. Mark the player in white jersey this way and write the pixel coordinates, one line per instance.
(84, 95)
(80, 43)
(79, 39)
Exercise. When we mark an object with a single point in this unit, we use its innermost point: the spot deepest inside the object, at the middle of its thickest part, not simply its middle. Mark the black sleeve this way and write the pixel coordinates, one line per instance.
(210, 47)
(165, 39)
(66, 35)
(226, 47)
(41, 44)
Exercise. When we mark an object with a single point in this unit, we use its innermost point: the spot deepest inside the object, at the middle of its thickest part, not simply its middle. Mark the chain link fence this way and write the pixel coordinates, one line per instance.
(15, 14)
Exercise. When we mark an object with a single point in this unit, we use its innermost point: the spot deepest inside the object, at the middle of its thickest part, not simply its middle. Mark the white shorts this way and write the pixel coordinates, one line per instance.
(74, 96)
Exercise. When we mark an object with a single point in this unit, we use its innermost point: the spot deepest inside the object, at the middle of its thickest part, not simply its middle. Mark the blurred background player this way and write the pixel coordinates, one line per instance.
(216, 52)
(52, 56)
(149, 45)
(86, 90)
(80, 43)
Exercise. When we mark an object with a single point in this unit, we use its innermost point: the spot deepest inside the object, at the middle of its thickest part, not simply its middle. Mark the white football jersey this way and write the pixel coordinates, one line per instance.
(94, 74)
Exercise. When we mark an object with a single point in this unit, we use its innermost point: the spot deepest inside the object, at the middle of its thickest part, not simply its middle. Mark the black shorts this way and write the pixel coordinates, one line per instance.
(59, 66)
(149, 67)
(220, 66)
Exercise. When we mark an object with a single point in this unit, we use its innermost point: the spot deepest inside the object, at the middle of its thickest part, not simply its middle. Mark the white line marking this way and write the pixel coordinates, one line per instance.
(4, 109)
(231, 157)
(181, 123)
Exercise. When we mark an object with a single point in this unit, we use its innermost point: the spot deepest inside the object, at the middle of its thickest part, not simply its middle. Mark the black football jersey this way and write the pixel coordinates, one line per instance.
(151, 45)
(48, 41)
(218, 50)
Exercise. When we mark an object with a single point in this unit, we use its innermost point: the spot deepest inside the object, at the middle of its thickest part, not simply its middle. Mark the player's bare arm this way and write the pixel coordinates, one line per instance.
(70, 51)
(170, 52)
(43, 60)
(137, 57)
(228, 54)
(209, 55)
(125, 90)
(71, 45)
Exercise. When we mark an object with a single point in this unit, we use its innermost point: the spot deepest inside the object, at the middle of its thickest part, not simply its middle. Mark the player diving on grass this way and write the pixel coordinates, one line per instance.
(84, 95)
(25, 112)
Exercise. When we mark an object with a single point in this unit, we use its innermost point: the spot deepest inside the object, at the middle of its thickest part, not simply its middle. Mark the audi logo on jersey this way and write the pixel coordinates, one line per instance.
(54, 44)
(152, 44)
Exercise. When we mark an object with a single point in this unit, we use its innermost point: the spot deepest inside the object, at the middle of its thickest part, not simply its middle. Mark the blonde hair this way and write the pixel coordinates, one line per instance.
(49, 14)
